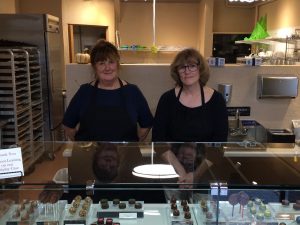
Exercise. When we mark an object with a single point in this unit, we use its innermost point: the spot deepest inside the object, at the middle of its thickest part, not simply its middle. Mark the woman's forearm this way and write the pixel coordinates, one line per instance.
(142, 133)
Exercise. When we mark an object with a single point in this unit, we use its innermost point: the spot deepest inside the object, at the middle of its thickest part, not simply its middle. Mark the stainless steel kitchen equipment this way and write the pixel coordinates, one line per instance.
(43, 31)
(225, 90)
(274, 86)
(21, 102)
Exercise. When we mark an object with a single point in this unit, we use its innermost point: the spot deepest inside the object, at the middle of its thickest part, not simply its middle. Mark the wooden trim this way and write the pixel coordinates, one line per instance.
(71, 43)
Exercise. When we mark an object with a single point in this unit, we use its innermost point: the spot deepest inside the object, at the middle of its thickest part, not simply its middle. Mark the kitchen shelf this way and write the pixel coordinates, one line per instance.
(270, 41)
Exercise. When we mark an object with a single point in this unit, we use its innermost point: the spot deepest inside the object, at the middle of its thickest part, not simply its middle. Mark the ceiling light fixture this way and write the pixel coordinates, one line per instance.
(155, 171)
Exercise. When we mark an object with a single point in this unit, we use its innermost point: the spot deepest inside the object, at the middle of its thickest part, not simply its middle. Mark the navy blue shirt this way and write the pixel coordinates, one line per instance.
(135, 104)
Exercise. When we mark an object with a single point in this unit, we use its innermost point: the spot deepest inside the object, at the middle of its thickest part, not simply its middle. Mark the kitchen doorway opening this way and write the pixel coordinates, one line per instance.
(83, 37)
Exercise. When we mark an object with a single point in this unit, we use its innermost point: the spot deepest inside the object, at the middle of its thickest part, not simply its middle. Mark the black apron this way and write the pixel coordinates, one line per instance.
(107, 123)
(188, 123)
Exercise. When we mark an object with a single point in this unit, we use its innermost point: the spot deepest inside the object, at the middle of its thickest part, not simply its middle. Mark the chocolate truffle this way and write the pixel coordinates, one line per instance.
(34, 204)
(131, 201)
(138, 205)
(205, 208)
(285, 202)
(103, 200)
(260, 216)
(173, 199)
(77, 198)
(122, 205)
(257, 201)
(116, 224)
(116, 201)
(202, 203)
(82, 213)
(262, 207)
(100, 220)
(86, 205)
(173, 206)
(109, 221)
(76, 204)
(104, 205)
(187, 215)
(209, 215)
(296, 206)
(176, 212)
(282, 223)
(267, 213)
(184, 202)
(186, 208)
(88, 199)
(72, 210)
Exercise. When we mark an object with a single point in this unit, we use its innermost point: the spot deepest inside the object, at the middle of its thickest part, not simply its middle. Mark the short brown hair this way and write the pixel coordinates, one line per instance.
(104, 50)
(190, 55)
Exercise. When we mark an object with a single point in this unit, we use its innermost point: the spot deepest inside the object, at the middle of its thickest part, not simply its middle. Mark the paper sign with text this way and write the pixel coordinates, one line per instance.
(11, 163)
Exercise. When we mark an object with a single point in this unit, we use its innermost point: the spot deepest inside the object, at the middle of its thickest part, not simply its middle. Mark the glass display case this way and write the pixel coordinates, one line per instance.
(209, 183)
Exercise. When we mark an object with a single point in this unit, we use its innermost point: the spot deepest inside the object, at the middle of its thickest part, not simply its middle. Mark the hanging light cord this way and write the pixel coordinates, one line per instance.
(153, 22)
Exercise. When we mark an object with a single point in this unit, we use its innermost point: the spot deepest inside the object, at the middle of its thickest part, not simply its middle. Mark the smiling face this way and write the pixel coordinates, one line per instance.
(106, 70)
(105, 60)
(188, 67)
(189, 72)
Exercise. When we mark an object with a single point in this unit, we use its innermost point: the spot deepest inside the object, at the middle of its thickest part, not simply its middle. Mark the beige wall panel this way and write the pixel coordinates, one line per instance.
(96, 12)
(176, 24)
(232, 19)
(281, 14)
(8, 6)
(52, 7)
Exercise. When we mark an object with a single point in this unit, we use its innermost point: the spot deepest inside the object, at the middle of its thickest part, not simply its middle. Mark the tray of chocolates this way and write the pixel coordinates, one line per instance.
(180, 212)
(207, 210)
(79, 209)
(25, 211)
(286, 210)
(116, 208)
(260, 212)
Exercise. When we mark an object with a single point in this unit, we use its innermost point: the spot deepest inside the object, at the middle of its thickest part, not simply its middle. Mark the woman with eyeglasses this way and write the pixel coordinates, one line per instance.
(190, 112)
(108, 108)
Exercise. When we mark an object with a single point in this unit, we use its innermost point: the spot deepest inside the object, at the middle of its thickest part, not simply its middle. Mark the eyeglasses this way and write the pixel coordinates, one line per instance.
(191, 67)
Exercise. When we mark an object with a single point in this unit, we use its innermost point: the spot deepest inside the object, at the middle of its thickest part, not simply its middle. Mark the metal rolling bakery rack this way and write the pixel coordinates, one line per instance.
(19, 73)
(36, 102)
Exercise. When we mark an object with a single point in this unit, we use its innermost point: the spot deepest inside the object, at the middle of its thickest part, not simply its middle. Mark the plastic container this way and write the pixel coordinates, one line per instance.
(61, 176)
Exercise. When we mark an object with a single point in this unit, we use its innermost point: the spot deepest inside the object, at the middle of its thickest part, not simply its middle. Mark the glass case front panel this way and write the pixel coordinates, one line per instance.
(154, 183)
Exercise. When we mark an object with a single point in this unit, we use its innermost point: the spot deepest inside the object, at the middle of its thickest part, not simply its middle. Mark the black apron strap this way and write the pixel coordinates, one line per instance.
(179, 93)
(202, 95)
(201, 91)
